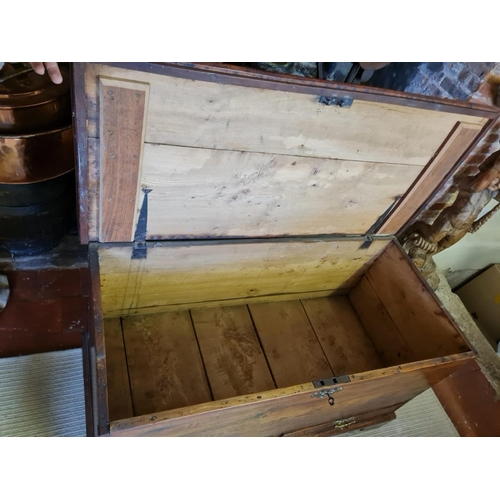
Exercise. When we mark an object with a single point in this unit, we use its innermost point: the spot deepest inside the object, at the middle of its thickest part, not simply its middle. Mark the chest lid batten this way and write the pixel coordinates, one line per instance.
(222, 160)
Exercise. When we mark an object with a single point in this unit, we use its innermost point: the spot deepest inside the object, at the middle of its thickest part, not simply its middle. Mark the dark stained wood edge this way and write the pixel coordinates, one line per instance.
(79, 114)
(434, 296)
(159, 419)
(470, 402)
(87, 385)
(235, 75)
(122, 133)
(487, 127)
(100, 384)
(383, 220)
(363, 421)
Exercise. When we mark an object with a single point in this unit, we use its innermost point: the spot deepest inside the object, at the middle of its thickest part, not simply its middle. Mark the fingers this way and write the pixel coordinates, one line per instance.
(52, 70)
(38, 68)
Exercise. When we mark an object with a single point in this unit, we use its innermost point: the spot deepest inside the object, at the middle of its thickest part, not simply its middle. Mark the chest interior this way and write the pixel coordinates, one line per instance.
(207, 322)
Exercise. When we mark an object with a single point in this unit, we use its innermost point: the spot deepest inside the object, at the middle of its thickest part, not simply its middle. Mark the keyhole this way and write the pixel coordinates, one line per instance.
(331, 401)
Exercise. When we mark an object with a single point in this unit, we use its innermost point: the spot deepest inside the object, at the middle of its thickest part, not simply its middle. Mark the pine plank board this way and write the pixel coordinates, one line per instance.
(384, 334)
(119, 395)
(415, 312)
(165, 366)
(122, 114)
(200, 192)
(290, 344)
(233, 358)
(209, 115)
(282, 411)
(451, 151)
(341, 335)
(189, 274)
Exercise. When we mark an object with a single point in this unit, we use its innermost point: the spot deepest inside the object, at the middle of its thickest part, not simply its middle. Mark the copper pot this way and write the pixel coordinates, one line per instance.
(30, 102)
(36, 157)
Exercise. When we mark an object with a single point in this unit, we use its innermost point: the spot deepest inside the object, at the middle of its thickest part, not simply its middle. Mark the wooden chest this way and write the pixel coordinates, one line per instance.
(245, 276)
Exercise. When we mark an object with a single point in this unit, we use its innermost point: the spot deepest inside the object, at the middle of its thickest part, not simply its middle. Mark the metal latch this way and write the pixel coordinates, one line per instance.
(341, 379)
(327, 393)
(341, 102)
(140, 249)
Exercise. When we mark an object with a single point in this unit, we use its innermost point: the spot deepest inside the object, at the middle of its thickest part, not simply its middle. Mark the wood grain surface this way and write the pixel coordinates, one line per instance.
(416, 313)
(119, 395)
(122, 114)
(387, 339)
(342, 337)
(253, 136)
(185, 112)
(291, 346)
(166, 370)
(187, 275)
(199, 192)
(281, 411)
(231, 352)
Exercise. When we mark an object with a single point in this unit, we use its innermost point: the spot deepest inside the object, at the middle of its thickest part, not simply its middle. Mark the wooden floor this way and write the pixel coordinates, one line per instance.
(171, 360)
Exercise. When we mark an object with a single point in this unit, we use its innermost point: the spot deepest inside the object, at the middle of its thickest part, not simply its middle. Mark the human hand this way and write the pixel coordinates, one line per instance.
(52, 70)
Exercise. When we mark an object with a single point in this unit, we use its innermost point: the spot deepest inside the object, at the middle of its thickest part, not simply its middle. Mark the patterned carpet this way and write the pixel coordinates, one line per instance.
(42, 395)
(423, 416)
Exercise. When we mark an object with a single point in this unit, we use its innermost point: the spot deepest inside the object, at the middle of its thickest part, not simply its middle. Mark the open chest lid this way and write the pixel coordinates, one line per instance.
(192, 151)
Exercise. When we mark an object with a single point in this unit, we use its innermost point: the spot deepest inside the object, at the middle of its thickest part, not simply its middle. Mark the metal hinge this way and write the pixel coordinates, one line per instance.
(368, 241)
(373, 229)
(333, 100)
(140, 249)
(341, 102)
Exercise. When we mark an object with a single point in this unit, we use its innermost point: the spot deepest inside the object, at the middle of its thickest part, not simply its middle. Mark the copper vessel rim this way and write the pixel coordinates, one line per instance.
(38, 181)
(10, 107)
(38, 134)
